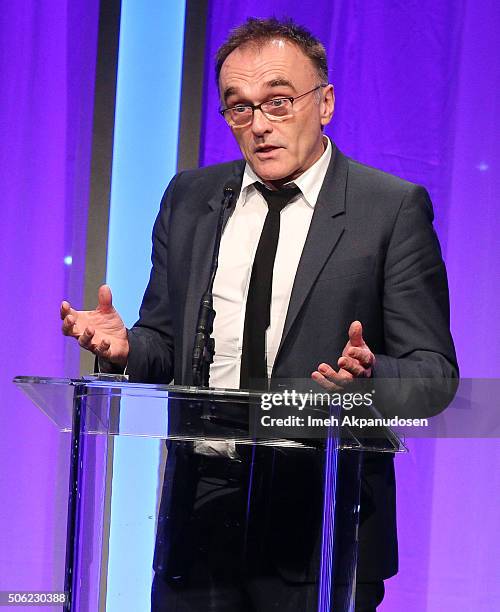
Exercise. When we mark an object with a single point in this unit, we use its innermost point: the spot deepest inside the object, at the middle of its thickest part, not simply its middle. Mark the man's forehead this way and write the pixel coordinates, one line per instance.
(265, 49)
(271, 63)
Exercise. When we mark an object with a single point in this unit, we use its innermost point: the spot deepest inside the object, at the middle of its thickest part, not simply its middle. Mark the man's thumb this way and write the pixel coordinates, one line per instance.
(104, 297)
(356, 334)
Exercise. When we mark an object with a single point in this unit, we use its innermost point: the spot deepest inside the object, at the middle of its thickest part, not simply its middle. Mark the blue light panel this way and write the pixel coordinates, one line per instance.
(145, 140)
(144, 160)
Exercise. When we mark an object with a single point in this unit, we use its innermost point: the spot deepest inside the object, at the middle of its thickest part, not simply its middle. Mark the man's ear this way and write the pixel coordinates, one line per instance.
(327, 104)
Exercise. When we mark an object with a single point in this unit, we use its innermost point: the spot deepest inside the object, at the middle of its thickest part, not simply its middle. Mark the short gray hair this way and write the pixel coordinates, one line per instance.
(260, 31)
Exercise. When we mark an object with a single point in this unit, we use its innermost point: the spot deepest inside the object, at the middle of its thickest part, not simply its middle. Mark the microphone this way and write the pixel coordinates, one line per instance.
(204, 345)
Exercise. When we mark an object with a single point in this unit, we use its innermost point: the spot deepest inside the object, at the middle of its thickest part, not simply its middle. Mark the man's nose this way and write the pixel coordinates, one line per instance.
(260, 123)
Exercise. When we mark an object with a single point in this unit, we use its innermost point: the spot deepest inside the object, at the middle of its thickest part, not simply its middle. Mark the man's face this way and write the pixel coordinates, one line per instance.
(278, 151)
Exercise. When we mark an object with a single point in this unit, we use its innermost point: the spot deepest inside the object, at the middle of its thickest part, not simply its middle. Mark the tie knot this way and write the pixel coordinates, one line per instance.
(277, 200)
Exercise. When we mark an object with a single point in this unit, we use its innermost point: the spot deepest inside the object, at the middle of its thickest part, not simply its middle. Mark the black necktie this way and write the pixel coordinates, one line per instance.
(258, 307)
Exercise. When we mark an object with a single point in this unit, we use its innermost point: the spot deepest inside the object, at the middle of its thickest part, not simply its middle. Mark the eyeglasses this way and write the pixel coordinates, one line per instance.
(276, 109)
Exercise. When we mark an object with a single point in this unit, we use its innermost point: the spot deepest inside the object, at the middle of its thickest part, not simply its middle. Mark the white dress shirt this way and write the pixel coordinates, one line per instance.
(237, 251)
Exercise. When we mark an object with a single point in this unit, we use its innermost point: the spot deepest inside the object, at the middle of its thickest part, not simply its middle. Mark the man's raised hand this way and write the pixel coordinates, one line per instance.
(100, 331)
(356, 361)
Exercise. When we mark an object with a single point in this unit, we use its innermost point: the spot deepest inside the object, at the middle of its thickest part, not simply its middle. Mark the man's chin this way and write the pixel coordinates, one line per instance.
(271, 171)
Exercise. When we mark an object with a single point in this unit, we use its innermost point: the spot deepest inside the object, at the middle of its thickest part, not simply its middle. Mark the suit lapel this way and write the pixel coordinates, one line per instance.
(201, 259)
(327, 226)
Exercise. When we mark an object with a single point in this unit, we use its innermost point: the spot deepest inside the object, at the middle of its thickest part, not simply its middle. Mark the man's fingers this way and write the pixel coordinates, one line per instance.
(327, 371)
(325, 382)
(103, 349)
(85, 339)
(68, 326)
(105, 299)
(104, 345)
(329, 379)
(352, 366)
(364, 356)
(340, 377)
(356, 334)
(65, 309)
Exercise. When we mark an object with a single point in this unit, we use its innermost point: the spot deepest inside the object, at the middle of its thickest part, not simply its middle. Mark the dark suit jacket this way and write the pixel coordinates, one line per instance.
(371, 254)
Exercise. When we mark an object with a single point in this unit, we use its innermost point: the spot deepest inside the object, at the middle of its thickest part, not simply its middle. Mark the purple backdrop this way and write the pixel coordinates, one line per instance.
(417, 95)
(47, 63)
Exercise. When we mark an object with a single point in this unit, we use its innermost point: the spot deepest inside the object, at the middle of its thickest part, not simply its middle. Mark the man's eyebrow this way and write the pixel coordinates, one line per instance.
(230, 91)
(278, 82)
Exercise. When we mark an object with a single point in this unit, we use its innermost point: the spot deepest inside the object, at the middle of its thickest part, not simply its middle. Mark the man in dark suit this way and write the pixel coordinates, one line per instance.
(358, 278)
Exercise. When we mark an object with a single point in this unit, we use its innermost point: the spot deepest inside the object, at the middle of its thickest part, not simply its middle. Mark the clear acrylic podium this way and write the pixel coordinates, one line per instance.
(234, 517)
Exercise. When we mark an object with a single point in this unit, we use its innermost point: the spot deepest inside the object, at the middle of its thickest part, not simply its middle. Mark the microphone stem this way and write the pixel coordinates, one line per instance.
(204, 344)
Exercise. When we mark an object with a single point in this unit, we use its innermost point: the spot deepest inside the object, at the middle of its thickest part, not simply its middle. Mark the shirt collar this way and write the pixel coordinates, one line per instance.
(309, 182)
